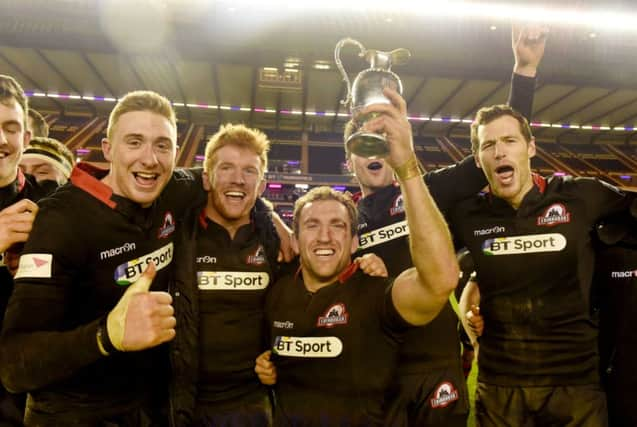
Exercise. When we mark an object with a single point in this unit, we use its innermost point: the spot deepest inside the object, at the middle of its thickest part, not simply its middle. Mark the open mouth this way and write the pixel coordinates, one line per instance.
(375, 166)
(324, 252)
(504, 173)
(145, 178)
(235, 195)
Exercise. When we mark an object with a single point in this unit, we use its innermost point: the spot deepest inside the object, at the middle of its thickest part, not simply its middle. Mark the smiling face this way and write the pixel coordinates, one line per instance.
(372, 174)
(142, 153)
(324, 241)
(233, 181)
(13, 138)
(504, 155)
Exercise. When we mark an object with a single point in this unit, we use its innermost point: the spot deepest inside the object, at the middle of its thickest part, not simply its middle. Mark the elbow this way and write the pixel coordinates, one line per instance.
(448, 280)
(11, 380)
(12, 384)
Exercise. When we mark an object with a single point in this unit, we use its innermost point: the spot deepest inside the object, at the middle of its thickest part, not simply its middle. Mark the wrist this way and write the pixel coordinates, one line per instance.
(525, 70)
(104, 343)
(409, 169)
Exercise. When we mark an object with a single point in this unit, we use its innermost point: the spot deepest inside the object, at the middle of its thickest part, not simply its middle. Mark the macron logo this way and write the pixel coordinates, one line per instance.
(35, 266)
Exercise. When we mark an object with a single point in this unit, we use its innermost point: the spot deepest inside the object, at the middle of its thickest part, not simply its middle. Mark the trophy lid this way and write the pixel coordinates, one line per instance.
(385, 60)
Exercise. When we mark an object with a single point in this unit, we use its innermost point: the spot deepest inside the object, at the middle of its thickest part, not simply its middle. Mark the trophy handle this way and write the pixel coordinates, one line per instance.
(339, 64)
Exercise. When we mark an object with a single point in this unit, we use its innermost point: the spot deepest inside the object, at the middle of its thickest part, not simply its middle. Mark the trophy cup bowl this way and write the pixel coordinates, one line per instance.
(366, 90)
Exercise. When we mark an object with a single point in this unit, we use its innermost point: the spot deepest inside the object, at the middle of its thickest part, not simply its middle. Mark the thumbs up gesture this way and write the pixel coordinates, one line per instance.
(141, 319)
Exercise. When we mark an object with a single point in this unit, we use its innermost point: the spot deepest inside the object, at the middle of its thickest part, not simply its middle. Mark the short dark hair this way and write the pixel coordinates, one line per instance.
(11, 91)
(39, 126)
(326, 193)
(486, 115)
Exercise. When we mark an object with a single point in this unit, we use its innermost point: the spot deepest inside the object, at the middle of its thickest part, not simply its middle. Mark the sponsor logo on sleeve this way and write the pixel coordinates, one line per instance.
(131, 271)
(310, 347)
(257, 258)
(168, 227)
(533, 243)
(232, 280)
(398, 207)
(383, 235)
(445, 394)
(335, 315)
(35, 266)
(553, 215)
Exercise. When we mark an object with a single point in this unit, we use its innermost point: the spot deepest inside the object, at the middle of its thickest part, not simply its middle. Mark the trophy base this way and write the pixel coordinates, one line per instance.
(367, 144)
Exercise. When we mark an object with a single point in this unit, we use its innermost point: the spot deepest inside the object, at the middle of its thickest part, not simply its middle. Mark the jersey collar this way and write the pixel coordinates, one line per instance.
(87, 177)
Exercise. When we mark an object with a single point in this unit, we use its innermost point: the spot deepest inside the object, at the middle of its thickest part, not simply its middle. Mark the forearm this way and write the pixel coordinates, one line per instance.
(36, 347)
(521, 94)
(33, 360)
(430, 242)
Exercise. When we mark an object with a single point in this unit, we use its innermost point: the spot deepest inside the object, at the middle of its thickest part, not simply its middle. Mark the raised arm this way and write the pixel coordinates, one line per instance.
(418, 293)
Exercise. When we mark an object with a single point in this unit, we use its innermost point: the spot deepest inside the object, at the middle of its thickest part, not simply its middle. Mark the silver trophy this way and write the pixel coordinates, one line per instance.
(367, 89)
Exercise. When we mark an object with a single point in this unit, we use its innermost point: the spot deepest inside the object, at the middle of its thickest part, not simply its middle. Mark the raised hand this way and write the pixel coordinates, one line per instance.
(528, 43)
(391, 121)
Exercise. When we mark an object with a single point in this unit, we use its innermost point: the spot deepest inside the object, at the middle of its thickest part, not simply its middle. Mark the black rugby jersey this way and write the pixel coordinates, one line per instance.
(535, 268)
(616, 283)
(335, 349)
(86, 246)
(233, 276)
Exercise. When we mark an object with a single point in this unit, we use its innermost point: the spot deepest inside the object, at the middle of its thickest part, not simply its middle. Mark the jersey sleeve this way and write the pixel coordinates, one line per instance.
(521, 94)
(602, 199)
(392, 321)
(454, 183)
(185, 190)
(36, 347)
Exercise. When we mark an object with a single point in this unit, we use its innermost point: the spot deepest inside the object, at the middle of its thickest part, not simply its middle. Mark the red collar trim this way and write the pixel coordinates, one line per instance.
(356, 197)
(82, 177)
(203, 219)
(348, 272)
(21, 180)
(539, 181)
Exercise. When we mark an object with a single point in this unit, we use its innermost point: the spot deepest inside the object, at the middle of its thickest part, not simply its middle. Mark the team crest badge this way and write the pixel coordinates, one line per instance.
(398, 207)
(335, 315)
(168, 227)
(553, 215)
(258, 257)
(445, 394)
